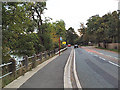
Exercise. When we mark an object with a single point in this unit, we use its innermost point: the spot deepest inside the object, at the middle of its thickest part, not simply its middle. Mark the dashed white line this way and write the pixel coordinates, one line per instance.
(102, 58)
(91, 53)
(96, 55)
(101, 53)
(115, 57)
(105, 59)
(109, 56)
(114, 64)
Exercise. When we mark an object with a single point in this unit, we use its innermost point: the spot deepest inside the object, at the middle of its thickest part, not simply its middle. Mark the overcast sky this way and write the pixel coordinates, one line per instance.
(73, 12)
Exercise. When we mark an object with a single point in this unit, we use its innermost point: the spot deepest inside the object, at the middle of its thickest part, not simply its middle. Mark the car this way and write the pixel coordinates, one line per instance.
(75, 46)
(69, 45)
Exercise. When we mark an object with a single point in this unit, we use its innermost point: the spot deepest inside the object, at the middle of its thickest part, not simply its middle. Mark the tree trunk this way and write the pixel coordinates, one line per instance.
(104, 44)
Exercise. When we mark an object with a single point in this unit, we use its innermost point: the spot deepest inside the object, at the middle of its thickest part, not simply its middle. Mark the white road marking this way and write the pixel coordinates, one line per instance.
(102, 58)
(106, 55)
(109, 56)
(110, 62)
(116, 58)
(67, 79)
(75, 74)
(91, 53)
(96, 55)
(114, 64)
(101, 53)
(105, 59)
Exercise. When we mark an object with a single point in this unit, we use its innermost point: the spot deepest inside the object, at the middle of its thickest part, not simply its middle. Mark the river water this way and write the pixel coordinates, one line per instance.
(17, 58)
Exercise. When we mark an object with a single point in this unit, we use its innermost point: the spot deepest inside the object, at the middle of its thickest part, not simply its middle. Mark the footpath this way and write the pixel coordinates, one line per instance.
(49, 74)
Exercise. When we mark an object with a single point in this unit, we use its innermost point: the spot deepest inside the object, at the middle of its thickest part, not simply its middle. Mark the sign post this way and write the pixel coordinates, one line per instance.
(59, 46)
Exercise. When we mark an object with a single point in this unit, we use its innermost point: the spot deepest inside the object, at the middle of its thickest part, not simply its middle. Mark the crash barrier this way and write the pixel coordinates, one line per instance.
(10, 72)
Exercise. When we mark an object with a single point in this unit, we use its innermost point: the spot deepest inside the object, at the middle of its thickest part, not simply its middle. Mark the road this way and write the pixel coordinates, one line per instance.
(96, 68)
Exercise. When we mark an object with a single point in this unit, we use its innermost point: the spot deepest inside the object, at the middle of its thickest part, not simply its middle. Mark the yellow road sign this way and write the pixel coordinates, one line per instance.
(63, 42)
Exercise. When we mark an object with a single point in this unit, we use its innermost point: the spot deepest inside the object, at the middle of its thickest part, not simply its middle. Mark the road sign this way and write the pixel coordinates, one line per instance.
(64, 43)
(60, 38)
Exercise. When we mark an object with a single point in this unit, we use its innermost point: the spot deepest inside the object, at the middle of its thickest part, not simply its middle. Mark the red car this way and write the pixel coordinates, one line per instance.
(69, 45)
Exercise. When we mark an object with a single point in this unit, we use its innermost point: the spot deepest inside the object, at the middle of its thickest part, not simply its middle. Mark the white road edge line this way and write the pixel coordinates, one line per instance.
(67, 79)
(75, 74)
(114, 64)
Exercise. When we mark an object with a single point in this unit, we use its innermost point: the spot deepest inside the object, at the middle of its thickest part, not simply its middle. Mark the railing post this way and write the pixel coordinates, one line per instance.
(54, 51)
(12, 66)
(40, 56)
(49, 53)
(34, 61)
(26, 62)
(45, 54)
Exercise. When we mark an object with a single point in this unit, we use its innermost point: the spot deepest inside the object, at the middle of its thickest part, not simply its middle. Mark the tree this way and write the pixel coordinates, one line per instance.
(101, 29)
(71, 36)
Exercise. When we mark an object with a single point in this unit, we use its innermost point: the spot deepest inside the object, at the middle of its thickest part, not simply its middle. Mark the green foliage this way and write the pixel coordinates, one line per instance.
(24, 31)
(101, 29)
(71, 36)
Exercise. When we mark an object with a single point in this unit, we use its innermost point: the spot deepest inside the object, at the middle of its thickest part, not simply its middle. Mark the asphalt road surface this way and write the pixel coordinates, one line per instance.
(50, 76)
(96, 68)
